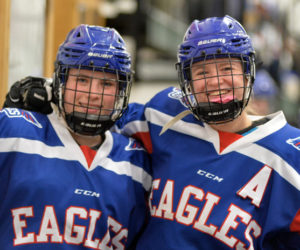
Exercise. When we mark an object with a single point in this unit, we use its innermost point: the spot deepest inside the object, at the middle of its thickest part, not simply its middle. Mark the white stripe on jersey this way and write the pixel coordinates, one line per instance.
(192, 129)
(136, 173)
(125, 168)
(27, 146)
(252, 150)
(132, 127)
(59, 152)
(274, 161)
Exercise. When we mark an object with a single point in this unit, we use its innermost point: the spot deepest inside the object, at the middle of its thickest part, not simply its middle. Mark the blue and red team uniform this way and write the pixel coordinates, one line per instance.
(55, 195)
(213, 189)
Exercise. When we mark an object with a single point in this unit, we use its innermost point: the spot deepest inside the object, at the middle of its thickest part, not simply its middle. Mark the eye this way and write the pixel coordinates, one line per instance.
(227, 68)
(109, 83)
(201, 73)
(82, 79)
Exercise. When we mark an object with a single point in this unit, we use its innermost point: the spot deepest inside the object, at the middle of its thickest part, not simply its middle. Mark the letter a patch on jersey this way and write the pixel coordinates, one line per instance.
(256, 187)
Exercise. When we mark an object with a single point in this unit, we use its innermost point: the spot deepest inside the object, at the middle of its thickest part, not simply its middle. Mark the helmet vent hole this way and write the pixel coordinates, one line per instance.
(230, 26)
(235, 40)
(219, 51)
(78, 34)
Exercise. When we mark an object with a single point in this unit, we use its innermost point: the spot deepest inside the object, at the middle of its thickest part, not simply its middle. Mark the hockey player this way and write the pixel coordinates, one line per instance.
(66, 181)
(222, 179)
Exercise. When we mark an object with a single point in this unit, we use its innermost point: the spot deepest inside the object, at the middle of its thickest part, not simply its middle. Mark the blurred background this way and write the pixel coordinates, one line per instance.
(32, 30)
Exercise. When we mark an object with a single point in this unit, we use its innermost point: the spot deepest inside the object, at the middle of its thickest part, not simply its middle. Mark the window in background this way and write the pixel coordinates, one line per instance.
(26, 39)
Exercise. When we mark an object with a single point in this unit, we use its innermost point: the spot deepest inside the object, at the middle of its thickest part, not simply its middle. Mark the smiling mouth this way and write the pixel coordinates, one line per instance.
(222, 96)
(218, 93)
(91, 109)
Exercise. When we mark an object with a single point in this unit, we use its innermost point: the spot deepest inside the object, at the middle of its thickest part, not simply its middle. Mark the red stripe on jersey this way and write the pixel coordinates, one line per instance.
(88, 153)
(295, 225)
(227, 138)
(145, 139)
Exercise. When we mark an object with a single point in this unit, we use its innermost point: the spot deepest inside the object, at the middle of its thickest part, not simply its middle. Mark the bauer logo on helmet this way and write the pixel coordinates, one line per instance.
(217, 40)
(100, 55)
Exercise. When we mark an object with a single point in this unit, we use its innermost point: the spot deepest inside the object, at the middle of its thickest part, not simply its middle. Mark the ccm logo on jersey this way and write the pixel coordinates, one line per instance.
(86, 192)
(209, 175)
(16, 113)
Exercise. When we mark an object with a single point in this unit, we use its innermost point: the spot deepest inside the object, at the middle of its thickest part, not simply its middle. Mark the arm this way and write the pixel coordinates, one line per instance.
(134, 124)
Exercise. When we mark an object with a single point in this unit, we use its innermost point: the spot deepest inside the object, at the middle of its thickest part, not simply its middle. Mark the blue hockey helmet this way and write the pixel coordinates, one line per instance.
(211, 39)
(98, 49)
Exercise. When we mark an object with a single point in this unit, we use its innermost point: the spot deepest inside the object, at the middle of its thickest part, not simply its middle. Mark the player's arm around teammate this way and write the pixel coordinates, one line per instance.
(222, 179)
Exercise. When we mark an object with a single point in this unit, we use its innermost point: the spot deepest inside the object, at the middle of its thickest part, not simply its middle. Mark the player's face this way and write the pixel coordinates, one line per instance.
(90, 92)
(218, 80)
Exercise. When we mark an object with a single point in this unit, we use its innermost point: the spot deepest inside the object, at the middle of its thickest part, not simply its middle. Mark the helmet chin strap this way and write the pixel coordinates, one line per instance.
(92, 125)
(211, 113)
(216, 113)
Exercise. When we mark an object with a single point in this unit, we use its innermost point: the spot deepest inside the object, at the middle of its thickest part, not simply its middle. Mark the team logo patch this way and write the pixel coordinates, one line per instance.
(16, 113)
(294, 142)
(134, 145)
(177, 94)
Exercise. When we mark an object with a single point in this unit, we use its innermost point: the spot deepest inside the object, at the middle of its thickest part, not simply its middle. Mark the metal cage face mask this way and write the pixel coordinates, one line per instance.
(217, 87)
(225, 92)
(92, 98)
(92, 79)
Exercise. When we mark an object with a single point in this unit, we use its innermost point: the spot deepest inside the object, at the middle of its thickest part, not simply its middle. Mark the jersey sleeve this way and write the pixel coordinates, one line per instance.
(136, 120)
(134, 124)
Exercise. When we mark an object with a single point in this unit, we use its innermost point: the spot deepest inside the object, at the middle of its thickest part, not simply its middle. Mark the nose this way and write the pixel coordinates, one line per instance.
(214, 80)
(96, 89)
(212, 77)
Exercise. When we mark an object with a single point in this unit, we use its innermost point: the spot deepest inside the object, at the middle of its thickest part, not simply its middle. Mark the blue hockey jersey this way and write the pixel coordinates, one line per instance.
(213, 189)
(52, 199)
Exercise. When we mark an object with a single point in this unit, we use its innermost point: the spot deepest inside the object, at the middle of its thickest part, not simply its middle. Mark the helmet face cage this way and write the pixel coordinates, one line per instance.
(224, 109)
(92, 79)
(92, 117)
(207, 45)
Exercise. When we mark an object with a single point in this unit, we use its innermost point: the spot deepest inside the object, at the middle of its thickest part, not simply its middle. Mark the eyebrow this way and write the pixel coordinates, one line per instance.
(103, 78)
(82, 75)
(221, 63)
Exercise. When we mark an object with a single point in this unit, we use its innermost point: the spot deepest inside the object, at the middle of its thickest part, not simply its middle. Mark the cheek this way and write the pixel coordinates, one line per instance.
(200, 90)
(240, 85)
(199, 86)
(109, 100)
(68, 101)
(70, 97)
(238, 81)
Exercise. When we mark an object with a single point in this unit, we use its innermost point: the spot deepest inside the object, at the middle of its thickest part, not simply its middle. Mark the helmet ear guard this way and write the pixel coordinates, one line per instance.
(213, 39)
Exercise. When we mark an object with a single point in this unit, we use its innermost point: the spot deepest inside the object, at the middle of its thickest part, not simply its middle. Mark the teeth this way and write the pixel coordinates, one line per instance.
(215, 93)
